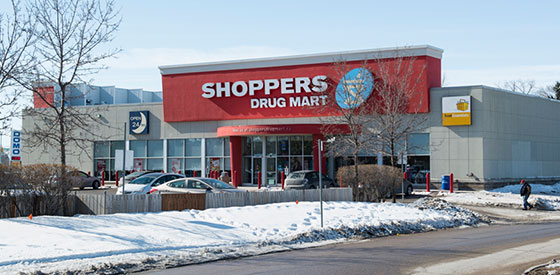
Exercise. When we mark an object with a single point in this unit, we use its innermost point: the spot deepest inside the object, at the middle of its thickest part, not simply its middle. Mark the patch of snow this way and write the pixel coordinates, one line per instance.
(135, 242)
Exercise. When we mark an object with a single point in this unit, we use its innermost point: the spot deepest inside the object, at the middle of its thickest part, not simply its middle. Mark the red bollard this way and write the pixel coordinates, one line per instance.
(89, 173)
(259, 180)
(427, 182)
(179, 172)
(451, 183)
(117, 178)
(103, 178)
(194, 174)
(282, 178)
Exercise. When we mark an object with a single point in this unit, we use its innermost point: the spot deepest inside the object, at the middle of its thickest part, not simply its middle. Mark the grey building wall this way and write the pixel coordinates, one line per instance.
(116, 115)
(512, 136)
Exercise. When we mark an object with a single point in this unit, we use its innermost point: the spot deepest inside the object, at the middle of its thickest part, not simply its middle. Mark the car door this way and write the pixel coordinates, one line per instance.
(195, 186)
(313, 180)
(160, 180)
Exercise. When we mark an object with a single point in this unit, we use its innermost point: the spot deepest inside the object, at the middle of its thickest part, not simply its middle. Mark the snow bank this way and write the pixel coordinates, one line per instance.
(134, 242)
(543, 197)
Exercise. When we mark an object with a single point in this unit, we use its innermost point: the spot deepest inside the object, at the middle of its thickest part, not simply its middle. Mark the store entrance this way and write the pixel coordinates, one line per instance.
(272, 155)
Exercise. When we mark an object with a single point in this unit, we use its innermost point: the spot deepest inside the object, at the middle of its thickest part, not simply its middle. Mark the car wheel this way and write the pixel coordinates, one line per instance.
(95, 185)
(82, 187)
(408, 190)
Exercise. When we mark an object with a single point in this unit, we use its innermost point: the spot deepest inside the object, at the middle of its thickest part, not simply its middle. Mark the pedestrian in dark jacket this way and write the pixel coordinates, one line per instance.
(525, 192)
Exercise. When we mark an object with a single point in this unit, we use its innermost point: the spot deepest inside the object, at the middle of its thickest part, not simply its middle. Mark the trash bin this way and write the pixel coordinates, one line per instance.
(445, 182)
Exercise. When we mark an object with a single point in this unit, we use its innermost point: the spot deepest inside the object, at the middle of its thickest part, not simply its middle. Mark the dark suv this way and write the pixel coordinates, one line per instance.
(307, 179)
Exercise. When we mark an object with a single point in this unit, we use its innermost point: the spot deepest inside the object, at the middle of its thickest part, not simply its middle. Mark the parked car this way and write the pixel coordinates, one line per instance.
(196, 185)
(143, 184)
(307, 179)
(417, 178)
(82, 180)
(132, 176)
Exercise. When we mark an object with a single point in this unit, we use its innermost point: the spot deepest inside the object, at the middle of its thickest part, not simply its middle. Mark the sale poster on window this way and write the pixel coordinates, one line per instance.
(138, 165)
(175, 165)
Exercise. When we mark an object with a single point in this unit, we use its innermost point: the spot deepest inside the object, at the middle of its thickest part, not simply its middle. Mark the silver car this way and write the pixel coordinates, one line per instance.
(307, 179)
(143, 184)
(195, 185)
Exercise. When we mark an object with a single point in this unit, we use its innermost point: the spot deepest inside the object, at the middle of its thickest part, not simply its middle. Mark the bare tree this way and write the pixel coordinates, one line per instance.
(15, 38)
(552, 91)
(70, 34)
(378, 110)
(395, 115)
(345, 104)
(524, 86)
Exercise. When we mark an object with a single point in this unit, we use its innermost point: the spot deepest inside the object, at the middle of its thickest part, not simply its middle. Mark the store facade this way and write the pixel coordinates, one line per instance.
(255, 118)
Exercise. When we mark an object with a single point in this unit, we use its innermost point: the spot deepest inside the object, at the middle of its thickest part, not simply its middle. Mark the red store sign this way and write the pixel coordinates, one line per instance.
(267, 92)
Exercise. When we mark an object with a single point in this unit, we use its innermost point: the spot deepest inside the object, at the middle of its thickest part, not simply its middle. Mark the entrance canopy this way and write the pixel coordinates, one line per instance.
(277, 129)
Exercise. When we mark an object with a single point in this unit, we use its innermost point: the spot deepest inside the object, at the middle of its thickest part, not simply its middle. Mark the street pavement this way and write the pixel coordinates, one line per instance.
(496, 249)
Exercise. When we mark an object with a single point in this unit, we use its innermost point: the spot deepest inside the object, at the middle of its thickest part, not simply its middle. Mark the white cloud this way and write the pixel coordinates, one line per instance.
(138, 68)
(543, 75)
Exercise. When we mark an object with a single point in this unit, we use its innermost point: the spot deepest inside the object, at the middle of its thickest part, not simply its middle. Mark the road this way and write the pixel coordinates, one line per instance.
(496, 249)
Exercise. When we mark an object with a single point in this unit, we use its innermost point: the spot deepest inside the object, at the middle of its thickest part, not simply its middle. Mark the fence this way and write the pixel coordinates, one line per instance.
(99, 204)
(217, 200)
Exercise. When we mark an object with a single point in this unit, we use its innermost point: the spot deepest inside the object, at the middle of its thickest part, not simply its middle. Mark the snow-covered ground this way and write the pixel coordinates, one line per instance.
(544, 197)
(132, 242)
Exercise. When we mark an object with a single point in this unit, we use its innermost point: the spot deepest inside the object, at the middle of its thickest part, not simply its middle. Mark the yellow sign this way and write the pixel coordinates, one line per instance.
(456, 110)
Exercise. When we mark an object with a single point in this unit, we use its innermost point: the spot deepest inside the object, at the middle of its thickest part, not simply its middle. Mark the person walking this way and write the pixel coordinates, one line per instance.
(525, 192)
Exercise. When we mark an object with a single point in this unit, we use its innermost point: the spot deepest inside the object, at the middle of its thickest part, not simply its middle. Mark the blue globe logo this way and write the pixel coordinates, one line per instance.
(354, 88)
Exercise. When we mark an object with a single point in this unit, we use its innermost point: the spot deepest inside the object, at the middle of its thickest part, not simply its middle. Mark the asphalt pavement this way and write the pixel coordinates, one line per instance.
(495, 249)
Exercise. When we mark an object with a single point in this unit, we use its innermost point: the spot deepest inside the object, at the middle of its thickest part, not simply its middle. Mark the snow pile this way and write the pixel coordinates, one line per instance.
(543, 197)
(134, 242)
(553, 190)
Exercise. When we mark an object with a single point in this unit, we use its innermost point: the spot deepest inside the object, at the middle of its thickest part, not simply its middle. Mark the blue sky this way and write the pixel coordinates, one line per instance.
(484, 42)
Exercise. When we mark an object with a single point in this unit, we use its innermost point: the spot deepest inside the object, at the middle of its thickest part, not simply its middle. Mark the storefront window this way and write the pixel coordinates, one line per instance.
(155, 148)
(175, 147)
(101, 149)
(283, 146)
(271, 146)
(175, 165)
(295, 145)
(257, 146)
(247, 145)
(192, 165)
(226, 146)
(419, 144)
(116, 145)
(155, 164)
(193, 148)
(139, 148)
(214, 147)
(308, 145)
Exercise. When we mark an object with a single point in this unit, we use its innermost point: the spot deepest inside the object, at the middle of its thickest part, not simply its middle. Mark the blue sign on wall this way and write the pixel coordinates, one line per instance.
(139, 122)
(354, 88)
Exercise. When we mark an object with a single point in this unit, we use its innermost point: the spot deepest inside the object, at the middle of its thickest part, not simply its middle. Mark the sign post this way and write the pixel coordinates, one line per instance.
(320, 143)
(15, 147)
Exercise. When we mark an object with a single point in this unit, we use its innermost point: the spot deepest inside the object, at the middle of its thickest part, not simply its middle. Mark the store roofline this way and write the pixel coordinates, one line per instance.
(420, 50)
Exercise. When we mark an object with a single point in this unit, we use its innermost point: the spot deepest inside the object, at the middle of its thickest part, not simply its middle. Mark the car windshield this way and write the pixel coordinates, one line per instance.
(296, 175)
(135, 175)
(144, 179)
(217, 184)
